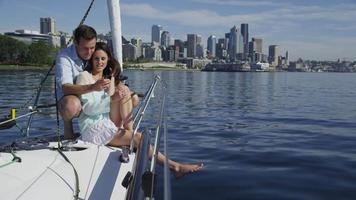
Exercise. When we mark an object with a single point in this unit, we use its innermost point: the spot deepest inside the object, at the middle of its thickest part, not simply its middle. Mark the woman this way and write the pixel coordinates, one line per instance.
(101, 116)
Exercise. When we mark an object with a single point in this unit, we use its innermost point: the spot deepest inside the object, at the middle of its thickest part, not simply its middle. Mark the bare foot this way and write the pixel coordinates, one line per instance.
(184, 169)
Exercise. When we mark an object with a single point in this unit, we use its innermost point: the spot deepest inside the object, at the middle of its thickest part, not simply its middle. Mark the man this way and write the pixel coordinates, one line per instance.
(69, 63)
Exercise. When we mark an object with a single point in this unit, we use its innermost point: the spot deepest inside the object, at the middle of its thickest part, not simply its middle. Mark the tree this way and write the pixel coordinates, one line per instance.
(12, 51)
(40, 53)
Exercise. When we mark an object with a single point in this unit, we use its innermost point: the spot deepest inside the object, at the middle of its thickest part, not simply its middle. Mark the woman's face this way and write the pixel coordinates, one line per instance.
(100, 60)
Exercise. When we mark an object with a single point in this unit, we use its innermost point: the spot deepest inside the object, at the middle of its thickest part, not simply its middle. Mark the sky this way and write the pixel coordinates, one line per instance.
(307, 29)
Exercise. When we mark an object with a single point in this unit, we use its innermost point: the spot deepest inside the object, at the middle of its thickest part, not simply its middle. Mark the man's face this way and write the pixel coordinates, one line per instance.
(85, 48)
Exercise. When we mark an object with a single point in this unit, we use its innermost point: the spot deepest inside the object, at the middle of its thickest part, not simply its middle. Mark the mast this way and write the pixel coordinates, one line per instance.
(115, 25)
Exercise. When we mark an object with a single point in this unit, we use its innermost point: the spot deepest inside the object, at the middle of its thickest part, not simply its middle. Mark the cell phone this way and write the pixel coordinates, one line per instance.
(108, 76)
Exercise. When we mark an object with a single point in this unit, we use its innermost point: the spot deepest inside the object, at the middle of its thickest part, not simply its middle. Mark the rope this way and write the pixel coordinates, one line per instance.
(57, 116)
(9, 163)
(49, 71)
(39, 87)
(14, 159)
(76, 194)
(83, 19)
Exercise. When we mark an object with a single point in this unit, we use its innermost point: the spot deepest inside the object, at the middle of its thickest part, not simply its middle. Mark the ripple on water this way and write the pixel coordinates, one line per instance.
(260, 135)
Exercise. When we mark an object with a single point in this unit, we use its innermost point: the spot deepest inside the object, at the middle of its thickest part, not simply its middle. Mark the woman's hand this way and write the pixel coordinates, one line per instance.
(101, 84)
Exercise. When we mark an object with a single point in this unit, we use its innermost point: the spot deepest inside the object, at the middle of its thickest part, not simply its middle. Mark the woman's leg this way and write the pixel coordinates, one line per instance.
(121, 107)
(135, 100)
(123, 138)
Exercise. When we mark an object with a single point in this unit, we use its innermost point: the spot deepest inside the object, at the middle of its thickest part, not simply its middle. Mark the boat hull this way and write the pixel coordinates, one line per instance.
(45, 174)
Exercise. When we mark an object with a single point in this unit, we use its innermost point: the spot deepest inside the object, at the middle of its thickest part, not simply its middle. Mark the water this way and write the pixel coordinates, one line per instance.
(259, 135)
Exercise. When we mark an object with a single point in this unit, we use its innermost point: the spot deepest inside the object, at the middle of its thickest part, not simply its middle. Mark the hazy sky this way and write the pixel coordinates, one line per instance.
(311, 29)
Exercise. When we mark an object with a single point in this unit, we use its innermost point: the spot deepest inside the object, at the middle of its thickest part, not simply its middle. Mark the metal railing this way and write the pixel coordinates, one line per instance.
(144, 176)
(142, 109)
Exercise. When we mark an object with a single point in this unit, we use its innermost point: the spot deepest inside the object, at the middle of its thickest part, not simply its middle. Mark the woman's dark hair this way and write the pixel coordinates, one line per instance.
(113, 66)
(84, 31)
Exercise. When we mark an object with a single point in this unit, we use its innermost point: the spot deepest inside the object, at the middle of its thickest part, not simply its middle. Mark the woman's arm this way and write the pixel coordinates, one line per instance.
(111, 90)
(93, 103)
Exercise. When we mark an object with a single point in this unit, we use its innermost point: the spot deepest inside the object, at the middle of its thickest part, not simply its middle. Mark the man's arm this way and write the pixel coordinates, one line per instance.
(83, 89)
(77, 89)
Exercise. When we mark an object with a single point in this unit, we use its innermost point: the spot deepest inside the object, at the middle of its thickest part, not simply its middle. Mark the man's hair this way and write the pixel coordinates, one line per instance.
(84, 31)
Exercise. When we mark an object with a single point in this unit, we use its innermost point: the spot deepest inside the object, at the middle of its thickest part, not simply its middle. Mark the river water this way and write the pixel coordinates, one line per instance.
(259, 135)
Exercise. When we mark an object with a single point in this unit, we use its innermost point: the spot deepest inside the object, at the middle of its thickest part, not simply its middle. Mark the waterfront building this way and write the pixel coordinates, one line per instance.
(227, 36)
(28, 37)
(259, 45)
(221, 52)
(64, 39)
(179, 44)
(145, 45)
(228, 67)
(299, 66)
(273, 53)
(138, 43)
(200, 47)
(129, 52)
(177, 53)
(165, 39)
(252, 51)
(153, 53)
(245, 39)
(156, 34)
(211, 46)
(264, 58)
(170, 54)
(47, 25)
(260, 66)
(235, 44)
(193, 63)
(200, 51)
(191, 45)
(255, 50)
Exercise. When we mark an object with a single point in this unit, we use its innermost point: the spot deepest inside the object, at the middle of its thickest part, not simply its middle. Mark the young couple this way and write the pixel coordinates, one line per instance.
(88, 70)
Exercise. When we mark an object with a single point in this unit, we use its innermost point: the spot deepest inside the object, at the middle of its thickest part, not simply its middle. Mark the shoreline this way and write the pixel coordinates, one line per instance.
(160, 68)
(31, 67)
(4, 67)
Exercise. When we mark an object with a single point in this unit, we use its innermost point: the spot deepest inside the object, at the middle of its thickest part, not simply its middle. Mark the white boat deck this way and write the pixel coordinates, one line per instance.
(44, 174)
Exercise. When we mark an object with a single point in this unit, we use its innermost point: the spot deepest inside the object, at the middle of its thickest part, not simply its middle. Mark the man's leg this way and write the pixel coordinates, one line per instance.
(69, 108)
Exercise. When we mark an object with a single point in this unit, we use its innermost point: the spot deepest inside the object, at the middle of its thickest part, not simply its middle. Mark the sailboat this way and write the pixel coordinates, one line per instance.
(36, 168)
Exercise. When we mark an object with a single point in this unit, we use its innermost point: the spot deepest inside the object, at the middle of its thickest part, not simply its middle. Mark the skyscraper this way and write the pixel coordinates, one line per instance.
(179, 44)
(273, 55)
(235, 43)
(212, 46)
(165, 38)
(255, 50)
(47, 25)
(156, 34)
(245, 39)
(138, 43)
(221, 48)
(200, 47)
(191, 45)
(259, 43)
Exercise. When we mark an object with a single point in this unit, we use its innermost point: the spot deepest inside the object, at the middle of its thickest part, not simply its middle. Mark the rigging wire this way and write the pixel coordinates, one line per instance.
(83, 19)
(36, 94)
(14, 159)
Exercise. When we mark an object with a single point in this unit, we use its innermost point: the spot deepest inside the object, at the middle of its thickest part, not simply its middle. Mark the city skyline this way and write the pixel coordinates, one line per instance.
(317, 30)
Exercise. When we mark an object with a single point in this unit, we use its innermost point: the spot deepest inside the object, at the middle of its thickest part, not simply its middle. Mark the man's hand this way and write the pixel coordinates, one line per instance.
(101, 84)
